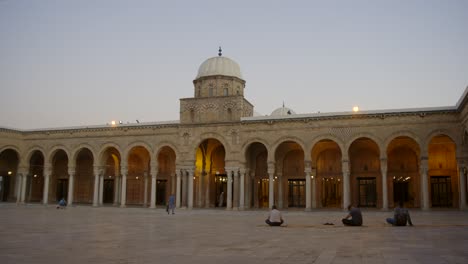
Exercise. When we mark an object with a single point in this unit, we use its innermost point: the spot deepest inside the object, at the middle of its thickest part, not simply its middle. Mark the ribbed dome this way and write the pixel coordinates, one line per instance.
(219, 66)
(283, 111)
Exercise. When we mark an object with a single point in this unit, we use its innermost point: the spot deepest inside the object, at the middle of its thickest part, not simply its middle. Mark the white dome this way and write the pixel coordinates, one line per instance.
(219, 66)
(283, 111)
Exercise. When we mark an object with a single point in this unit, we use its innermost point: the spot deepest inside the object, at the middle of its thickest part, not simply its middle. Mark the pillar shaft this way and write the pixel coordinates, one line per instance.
(383, 167)
(190, 189)
(346, 185)
(229, 191)
(178, 189)
(308, 191)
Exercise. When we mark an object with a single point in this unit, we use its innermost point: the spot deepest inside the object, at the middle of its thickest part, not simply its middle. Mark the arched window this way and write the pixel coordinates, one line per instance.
(192, 115)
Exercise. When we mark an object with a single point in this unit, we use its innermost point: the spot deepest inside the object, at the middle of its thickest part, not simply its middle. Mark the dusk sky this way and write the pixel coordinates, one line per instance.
(78, 63)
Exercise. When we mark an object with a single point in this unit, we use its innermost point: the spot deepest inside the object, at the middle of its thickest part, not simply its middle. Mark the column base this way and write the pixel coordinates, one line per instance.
(308, 210)
(123, 206)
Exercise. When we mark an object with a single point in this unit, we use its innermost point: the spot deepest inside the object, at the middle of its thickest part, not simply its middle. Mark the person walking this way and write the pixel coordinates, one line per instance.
(171, 204)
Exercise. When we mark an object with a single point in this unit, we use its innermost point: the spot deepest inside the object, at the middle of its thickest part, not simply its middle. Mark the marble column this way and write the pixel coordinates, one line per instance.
(236, 191)
(18, 186)
(207, 180)
(178, 189)
(462, 173)
(424, 183)
(23, 187)
(101, 189)
(190, 189)
(279, 182)
(271, 188)
(97, 172)
(45, 193)
(145, 191)
(123, 195)
(116, 189)
(383, 168)
(308, 197)
(201, 182)
(229, 190)
(154, 171)
(71, 185)
(242, 189)
(346, 184)
(184, 188)
(313, 179)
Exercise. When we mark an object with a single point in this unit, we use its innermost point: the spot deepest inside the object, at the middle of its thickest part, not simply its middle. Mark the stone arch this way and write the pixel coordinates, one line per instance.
(365, 172)
(12, 147)
(129, 147)
(79, 148)
(396, 134)
(437, 132)
(53, 150)
(9, 164)
(352, 139)
(31, 152)
(326, 159)
(331, 137)
(281, 140)
(212, 135)
(103, 148)
(169, 144)
(248, 143)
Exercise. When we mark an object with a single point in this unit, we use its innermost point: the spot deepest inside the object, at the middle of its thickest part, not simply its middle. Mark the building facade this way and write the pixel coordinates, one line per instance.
(220, 155)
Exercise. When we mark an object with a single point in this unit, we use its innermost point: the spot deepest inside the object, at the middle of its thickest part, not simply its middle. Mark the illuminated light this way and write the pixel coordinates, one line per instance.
(339, 180)
(136, 177)
(259, 182)
(110, 176)
(113, 122)
(9, 173)
(394, 177)
(276, 177)
(312, 176)
(356, 108)
(194, 177)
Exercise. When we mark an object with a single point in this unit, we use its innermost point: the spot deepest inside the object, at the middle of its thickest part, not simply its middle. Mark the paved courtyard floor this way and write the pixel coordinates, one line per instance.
(83, 234)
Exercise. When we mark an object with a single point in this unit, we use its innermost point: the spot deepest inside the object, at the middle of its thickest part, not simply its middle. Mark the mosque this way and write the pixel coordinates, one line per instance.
(219, 155)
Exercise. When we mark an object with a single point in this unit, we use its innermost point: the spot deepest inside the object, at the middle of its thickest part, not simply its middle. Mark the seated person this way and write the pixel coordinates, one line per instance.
(62, 204)
(355, 215)
(401, 216)
(275, 218)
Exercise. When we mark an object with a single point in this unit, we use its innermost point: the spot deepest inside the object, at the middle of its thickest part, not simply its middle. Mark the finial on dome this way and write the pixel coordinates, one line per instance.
(220, 51)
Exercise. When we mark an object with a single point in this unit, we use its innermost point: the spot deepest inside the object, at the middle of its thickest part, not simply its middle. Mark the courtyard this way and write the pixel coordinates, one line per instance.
(84, 234)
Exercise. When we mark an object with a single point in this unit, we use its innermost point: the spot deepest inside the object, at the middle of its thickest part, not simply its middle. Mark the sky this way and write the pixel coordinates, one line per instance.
(80, 63)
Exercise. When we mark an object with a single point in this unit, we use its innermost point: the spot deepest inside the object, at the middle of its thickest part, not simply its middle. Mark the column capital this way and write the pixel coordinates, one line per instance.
(71, 171)
(123, 170)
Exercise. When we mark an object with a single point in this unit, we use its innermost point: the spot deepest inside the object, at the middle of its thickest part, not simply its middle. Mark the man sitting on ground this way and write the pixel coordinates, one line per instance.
(275, 218)
(401, 216)
(355, 215)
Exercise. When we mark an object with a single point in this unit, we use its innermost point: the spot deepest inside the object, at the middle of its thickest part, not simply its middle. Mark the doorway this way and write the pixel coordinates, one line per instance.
(367, 192)
(108, 196)
(4, 188)
(62, 189)
(400, 191)
(221, 188)
(441, 191)
(296, 193)
(330, 192)
(161, 192)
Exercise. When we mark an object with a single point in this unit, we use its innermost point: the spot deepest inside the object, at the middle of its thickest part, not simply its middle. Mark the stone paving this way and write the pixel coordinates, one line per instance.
(83, 234)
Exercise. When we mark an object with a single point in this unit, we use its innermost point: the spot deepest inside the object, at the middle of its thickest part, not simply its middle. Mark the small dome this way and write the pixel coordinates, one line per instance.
(283, 111)
(219, 66)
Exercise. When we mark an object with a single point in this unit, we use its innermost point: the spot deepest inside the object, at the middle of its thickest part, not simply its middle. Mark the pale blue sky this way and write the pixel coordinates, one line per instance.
(75, 63)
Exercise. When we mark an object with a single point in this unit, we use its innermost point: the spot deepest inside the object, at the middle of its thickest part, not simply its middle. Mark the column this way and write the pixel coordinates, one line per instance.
(45, 193)
(190, 189)
(145, 191)
(123, 195)
(101, 189)
(229, 190)
(236, 191)
(383, 168)
(154, 171)
(97, 171)
(184, 188)
(307, 172)
(71, 185)
(271, 187)
(23, 187)
(18, 186)
(462, 172)
(242, 191)
(424, 184)
(313, 177)
(207, 190)
(346, 184)
(116, 189)
(201, 179)
(178, 191)
(279, 181)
